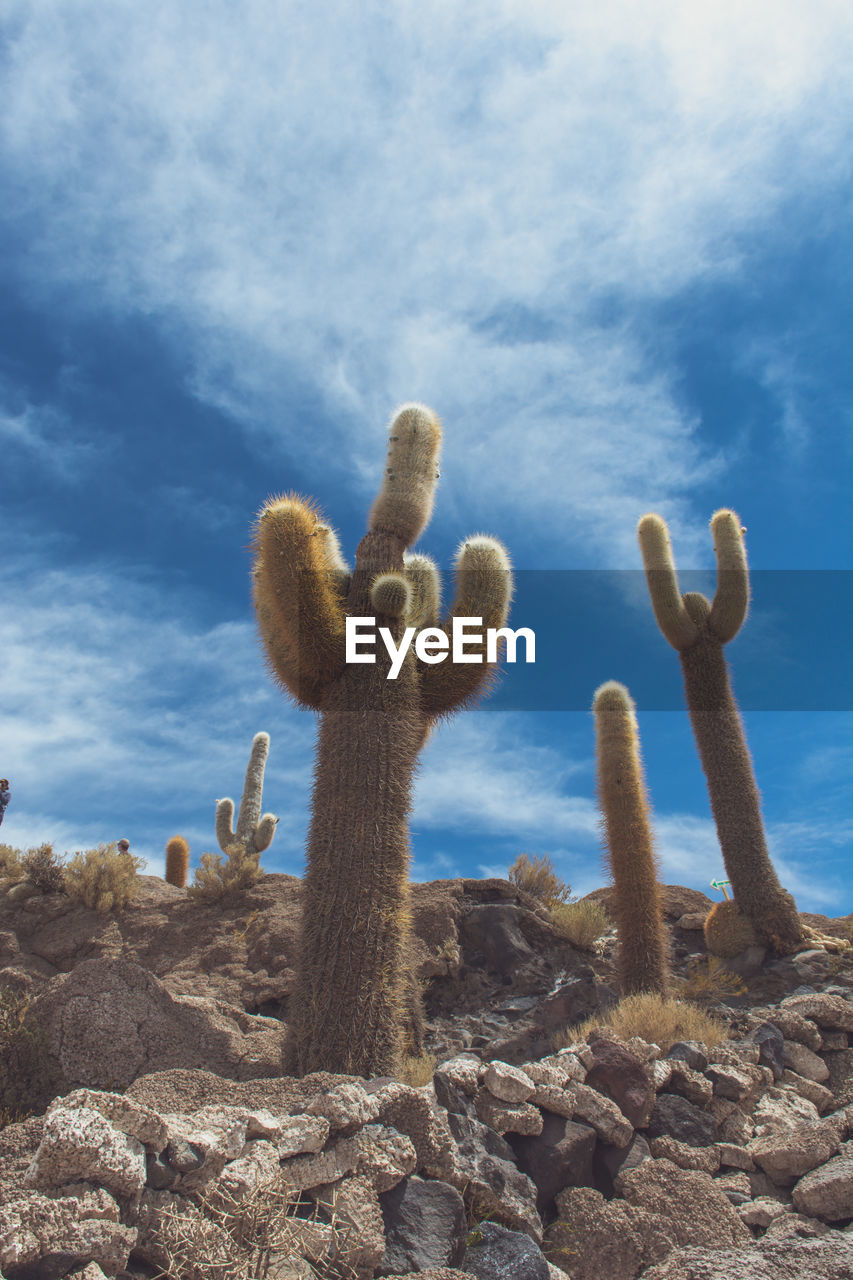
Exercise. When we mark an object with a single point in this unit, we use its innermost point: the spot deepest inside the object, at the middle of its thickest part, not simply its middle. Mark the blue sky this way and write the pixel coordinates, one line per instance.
(610, 247)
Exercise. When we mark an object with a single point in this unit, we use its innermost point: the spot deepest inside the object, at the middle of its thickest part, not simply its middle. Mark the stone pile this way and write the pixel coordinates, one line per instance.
(604, 1161)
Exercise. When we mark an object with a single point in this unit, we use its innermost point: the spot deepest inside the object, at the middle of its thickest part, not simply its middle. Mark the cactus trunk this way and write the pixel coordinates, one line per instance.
(642, 955)
(733, 793)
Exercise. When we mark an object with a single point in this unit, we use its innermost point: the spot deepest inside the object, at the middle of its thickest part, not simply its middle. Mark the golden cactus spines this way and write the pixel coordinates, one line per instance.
(177, 861)
(626, 819)
(353, 994)
(698, 629)
(727, 930)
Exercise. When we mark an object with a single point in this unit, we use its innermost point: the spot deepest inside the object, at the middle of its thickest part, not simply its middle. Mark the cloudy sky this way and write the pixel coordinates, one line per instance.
(610, 244)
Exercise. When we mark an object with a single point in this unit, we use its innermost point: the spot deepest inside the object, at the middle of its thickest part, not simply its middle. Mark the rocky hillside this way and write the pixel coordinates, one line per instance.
(163, 1136)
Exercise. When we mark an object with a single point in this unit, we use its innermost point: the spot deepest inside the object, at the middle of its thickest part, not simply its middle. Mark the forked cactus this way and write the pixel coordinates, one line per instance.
(642, 954)
(698, 629)
(254, 833)
(347, 1009)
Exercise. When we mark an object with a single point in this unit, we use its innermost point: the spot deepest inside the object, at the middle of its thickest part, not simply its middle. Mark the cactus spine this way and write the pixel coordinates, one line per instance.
(698, 629)
(624, 803)
(347, 1010)
(254, 833)
(177, 861)
(727, 931)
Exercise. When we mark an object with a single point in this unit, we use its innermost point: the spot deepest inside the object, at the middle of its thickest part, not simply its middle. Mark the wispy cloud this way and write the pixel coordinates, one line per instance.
(118, 703)
(350, 199)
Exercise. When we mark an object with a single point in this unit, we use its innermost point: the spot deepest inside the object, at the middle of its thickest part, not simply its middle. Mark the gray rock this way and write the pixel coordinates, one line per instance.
(691, 1052)
(827, 1192)
(677, 1118)
(771, 1048)
(425, 1226)
(499, 1254)
(790, 1259)
(560, 1156)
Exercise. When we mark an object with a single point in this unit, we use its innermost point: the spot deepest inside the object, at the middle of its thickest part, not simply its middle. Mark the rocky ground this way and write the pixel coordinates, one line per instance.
(160, 1118)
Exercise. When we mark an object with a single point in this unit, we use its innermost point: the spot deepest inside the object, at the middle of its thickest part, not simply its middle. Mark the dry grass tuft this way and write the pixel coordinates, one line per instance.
(214, 879)
(660, 1020)
(102, 878)
(537, 877)
(580, 923)
(417, 1069)
(709, 981)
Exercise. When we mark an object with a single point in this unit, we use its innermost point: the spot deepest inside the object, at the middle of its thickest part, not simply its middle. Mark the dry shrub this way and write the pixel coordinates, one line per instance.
(221, 1237)
(537, 877)
(43, 869)
(10, 863)
(21, 1058)
(580, 923)
(660, 1020)
(215, 878)
(416, 1069)
(102, 878)
(709, 981)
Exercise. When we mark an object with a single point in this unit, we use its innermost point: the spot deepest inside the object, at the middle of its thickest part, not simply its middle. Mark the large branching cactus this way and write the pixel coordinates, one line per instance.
(626, 819)
(347, 1009)
(254, 833)
(698, 630)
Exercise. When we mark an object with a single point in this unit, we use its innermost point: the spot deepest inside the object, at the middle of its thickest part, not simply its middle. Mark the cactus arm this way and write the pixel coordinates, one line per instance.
(264, 832)
(630, 844)
(662, 580)
(484, 587)
(253, 789)
(731, 599)
(404, 503)
(280, 655)
(296, 575)
(425, 583)
(224, 823)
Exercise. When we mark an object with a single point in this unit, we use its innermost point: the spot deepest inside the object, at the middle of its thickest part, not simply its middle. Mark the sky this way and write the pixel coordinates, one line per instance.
(609, 244)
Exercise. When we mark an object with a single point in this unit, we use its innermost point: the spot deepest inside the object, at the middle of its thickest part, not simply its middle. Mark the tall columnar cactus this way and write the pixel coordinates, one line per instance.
(699, 629)
(177, 861)
(254, 833)
(642, 957)
(347, 1008)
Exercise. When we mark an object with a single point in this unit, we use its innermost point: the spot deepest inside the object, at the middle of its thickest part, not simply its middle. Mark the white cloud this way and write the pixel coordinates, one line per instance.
(350, 198)
(121, 711)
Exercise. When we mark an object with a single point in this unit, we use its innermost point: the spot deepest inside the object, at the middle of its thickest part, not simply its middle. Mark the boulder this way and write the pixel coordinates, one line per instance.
(425, 1226)
(790, 1259)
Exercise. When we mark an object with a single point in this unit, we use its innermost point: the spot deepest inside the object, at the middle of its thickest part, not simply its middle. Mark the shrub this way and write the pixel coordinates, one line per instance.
(102, 878)
(708, 981)
(21, 1058)
(42, 868)
(580, 923)
(10, 863)
(215, 878)
(537, 877)
(659, 1020)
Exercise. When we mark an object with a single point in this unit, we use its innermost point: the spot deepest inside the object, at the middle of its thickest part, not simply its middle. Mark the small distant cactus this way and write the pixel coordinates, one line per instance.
(699, 629)
(642, 953)
(254, 833)
(177, 861)
(727, 930)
